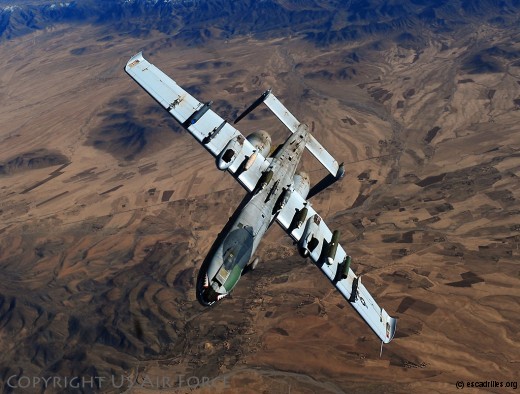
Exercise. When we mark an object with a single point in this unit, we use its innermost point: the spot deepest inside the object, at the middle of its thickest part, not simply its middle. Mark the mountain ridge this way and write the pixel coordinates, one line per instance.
(321, 22)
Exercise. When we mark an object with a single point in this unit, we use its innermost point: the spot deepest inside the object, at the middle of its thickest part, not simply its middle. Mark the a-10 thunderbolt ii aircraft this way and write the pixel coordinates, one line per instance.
(275, 192)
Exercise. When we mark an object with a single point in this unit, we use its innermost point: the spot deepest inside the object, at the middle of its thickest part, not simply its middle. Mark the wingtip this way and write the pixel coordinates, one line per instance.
(134, 60)
(341, 171)
(138, 55)
(393, 327)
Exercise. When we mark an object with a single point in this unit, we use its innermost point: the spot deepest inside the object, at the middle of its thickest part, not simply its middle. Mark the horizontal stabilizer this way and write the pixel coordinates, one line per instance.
(318, 151)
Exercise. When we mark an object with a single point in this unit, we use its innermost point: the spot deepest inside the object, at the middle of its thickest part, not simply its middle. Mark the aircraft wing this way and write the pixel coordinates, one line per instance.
(213, 132)
(215, 135)
(350, 286)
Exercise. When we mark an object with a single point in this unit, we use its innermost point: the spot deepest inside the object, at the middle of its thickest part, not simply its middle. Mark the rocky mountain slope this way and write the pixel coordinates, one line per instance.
(322, 22)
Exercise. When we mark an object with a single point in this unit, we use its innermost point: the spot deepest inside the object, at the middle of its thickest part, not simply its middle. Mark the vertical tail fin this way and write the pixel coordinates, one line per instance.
(288, 119)
(317, 150)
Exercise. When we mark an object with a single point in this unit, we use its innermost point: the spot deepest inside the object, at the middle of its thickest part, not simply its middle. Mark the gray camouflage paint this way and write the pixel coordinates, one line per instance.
(242, 239)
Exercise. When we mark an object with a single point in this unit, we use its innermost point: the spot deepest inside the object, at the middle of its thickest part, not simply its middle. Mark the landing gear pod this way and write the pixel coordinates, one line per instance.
(230, 153)
(309, 240)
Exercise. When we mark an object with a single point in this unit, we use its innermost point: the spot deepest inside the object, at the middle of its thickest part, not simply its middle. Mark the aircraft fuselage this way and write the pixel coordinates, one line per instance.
(236, 245)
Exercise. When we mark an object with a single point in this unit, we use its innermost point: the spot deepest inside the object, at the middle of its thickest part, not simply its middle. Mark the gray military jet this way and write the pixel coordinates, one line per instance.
(276, 191)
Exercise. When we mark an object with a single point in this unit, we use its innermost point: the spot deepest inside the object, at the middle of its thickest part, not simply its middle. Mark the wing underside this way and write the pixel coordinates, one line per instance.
(213, 132)
(376, 317)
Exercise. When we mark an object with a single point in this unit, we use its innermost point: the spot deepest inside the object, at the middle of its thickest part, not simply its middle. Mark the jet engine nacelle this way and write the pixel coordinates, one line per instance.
(261, 140)
(309, 240)
(302, 184)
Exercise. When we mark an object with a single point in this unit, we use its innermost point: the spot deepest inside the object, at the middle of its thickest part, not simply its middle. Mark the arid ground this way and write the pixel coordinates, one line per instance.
(107, 209)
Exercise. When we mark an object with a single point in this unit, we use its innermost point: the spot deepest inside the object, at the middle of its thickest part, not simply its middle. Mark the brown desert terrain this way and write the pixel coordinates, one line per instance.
(107, 209)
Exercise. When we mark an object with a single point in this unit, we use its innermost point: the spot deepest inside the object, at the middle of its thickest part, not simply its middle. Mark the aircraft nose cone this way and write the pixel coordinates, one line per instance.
(209, 296)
